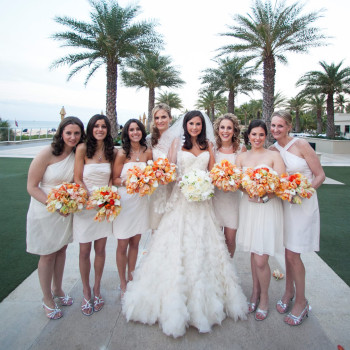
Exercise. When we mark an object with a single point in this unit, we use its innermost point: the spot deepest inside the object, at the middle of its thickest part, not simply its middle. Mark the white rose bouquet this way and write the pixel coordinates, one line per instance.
(196, 186)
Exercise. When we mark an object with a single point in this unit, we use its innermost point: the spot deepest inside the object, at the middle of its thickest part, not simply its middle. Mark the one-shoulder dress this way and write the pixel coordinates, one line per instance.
(260, 227)
(85, 229)
(187, 277)
(301, 221)
(49, 232)
(134, 216)
(226, 204)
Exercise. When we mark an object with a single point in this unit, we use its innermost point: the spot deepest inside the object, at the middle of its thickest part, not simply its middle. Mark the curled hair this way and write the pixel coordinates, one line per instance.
(201, 138)
(236, 130)
(126, 143)
(91, 142)
(285, 115)
(254, 124)
(155, 132)
(57, 144)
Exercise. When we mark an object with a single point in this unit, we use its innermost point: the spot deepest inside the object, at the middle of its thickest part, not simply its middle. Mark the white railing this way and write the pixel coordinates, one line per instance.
(25, 134)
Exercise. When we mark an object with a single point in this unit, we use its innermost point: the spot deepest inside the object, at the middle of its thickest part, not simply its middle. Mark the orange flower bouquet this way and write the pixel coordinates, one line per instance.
(164, 171)
(67, 197)
(226, 176)
(106, 200)
(259, 182)
(141, 179)
(294, 187)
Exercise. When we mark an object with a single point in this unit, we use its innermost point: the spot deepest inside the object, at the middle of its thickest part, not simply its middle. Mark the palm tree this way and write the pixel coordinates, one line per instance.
(316, 103)
(211, 101)
(231, 76)
(268, 33)
(171, 99)
(340, 102)
(108, 39)
(330, 81)
(297, 104)
(151, 71)
(279, 101)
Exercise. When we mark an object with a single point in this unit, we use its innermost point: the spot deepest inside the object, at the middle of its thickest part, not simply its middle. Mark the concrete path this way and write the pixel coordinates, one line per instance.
(23, 324)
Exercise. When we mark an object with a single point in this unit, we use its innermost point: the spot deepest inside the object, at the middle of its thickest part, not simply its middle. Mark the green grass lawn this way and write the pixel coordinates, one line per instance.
(16, 264)
(334, 201)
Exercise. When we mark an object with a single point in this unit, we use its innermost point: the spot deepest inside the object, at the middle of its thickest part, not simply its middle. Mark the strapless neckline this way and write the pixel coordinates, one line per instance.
(205, 152)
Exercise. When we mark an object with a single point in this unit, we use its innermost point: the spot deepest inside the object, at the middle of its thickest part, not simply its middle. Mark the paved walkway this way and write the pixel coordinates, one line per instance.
(23, 324)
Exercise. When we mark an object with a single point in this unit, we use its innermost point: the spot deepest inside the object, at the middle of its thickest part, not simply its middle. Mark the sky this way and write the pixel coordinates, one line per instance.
(29, 90)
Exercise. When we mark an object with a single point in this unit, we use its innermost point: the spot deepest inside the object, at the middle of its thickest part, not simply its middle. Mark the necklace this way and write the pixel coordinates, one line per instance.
(138, 154)
(229, 147)
(99, 158)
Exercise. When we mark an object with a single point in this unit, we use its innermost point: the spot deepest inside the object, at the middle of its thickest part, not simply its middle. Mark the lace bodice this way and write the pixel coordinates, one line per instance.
(187, 161)
(294, 164)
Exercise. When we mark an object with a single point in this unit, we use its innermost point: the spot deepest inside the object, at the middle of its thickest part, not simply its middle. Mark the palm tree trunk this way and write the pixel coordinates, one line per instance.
(231, 102)
(212, 117)
(297, 121)
(151, 98)
(319, 120)
(111, 97)
(330, 116)
(269, 69)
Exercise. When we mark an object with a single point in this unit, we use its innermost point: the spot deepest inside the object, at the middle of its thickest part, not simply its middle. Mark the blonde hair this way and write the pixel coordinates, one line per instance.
(285, 115)
(155, 132)
(236, 130)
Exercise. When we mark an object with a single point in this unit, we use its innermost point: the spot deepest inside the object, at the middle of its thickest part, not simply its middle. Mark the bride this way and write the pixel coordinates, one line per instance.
(187, 278)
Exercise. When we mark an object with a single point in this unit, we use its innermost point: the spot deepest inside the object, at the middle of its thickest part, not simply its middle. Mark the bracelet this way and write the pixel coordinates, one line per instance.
(265, 199)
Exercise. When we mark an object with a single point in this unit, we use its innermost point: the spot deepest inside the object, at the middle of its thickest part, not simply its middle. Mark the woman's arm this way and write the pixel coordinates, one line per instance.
(115, 152)
(212, 156)
(79, 163)
(149, 154)
(172, 154)
(117, 169)
(36, 172)
(278, 163)
(313, 162)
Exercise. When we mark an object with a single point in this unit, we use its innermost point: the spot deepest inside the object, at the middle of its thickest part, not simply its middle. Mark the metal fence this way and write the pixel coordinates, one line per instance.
(25, 134)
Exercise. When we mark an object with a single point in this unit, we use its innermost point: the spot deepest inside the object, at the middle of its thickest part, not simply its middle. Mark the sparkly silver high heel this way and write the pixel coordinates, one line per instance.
(297, 320)
(283, 308)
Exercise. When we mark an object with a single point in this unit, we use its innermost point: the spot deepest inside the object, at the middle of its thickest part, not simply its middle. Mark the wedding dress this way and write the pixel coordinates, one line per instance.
(187, 277)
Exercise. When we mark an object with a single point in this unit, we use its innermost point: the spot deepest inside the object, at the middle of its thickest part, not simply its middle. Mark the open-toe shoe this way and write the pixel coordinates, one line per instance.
(87, 308)
(98, 303)
(53, 314)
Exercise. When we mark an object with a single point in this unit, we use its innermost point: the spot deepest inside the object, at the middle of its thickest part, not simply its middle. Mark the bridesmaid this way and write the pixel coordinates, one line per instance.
(133, 219)
(159, 141)
(93, 165)
(301, 222)
(227, 131)
(260, 219)
(49, 233)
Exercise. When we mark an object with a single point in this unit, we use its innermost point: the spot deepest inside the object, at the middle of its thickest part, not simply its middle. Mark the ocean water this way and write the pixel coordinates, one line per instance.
(34, 124)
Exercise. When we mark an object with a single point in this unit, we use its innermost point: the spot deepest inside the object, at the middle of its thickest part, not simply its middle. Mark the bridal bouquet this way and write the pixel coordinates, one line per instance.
(106, 200)
(67, 197)
(294, 187)
(164, 171)
(141, 179)
(196, 186)
(226, 176)
(258, 182)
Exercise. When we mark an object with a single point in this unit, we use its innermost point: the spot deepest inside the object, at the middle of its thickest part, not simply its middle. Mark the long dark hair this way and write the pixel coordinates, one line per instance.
(254, 124)
(58, 143)
(201, 138)
(91, 142)
(126, 143)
